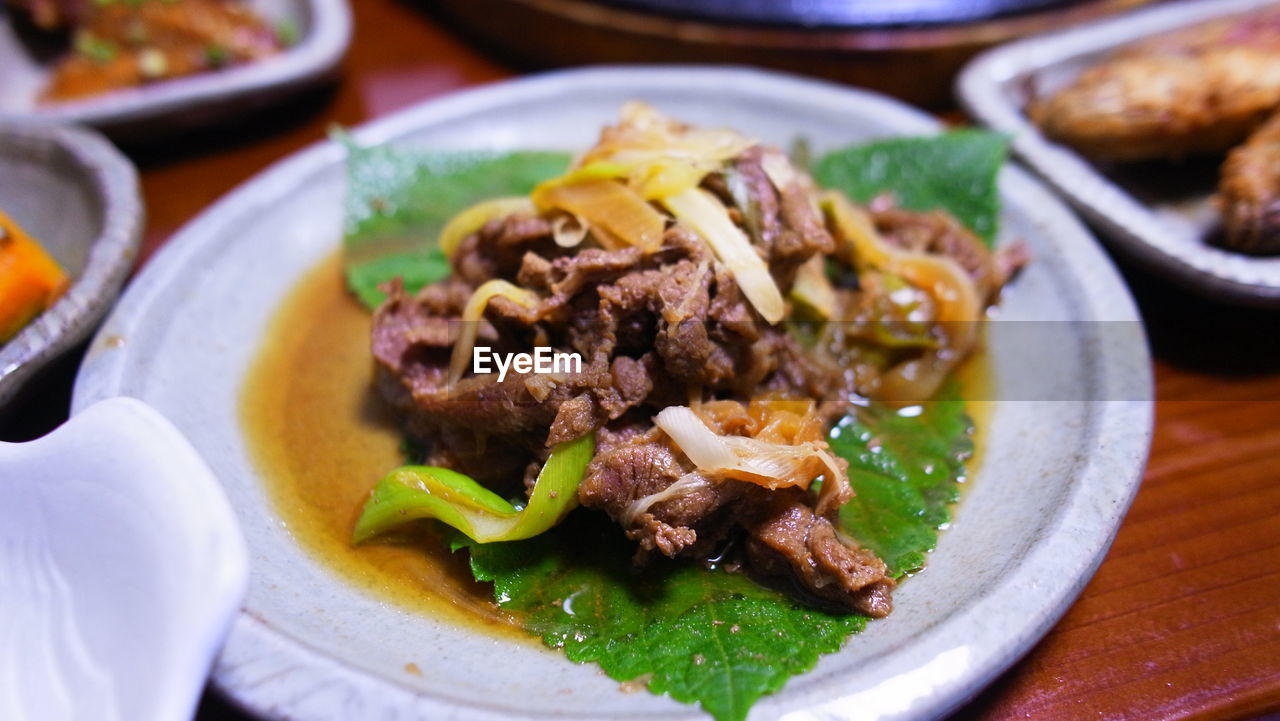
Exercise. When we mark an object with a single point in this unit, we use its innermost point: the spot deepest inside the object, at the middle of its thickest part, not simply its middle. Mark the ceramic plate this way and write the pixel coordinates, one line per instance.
(324, 31)
(78, 197)
(1060, 466)
(1163, 225)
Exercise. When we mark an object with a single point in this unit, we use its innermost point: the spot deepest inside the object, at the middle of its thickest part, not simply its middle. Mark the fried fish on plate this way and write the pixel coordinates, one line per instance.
(1203, 89)
(1249, 193)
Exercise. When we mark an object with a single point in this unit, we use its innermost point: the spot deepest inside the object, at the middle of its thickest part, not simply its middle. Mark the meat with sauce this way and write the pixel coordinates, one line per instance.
(671, 328)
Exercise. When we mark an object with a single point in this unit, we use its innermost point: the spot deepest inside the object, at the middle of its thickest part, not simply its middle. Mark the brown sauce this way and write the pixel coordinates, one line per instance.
(977, 387)
(322, 438)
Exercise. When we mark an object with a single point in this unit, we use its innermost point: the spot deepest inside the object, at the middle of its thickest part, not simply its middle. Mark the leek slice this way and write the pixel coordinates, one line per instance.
(609, 207)
(474, 311)
(710, 219)
(414, 492)
(813, 288)
(599, 170)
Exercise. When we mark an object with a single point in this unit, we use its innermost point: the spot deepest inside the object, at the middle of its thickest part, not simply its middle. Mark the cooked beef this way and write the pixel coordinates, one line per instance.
(650, 330)
(789, 229)
(627, 471)
(938, 233)
(786, 539)
(665, 327)
(497, 250)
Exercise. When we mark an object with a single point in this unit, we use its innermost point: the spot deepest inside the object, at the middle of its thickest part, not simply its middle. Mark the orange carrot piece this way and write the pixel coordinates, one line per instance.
(30, 280)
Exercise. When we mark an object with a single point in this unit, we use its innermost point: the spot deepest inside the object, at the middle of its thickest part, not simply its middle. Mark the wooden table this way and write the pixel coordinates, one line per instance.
(1183, 619)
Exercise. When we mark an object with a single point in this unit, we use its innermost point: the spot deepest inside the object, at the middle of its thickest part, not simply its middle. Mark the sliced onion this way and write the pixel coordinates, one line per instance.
(474, 218)
(779, 169)
(663, 157)
(813, 288)
(568, 230)
(710, 219)
(771, 465)
(473, 312)
(661, 177)
(598, 170)
(959, 303)
(608, 206)
(686, 484)
(707, 450)
(938, 275)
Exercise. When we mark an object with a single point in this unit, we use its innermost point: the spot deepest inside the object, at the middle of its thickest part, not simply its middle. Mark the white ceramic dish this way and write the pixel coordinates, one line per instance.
(324, 28)
(1162, 225)
(79, 198)
(1056, 478)
(121, 569)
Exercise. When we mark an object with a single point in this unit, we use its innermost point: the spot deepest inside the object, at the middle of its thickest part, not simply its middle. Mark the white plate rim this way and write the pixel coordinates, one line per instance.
(1105, 485)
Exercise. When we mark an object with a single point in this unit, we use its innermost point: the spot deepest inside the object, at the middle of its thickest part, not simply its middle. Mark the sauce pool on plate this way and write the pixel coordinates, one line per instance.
(321, 438)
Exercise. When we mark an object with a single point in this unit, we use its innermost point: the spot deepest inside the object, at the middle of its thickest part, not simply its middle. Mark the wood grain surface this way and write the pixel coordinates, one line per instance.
(1183, 619)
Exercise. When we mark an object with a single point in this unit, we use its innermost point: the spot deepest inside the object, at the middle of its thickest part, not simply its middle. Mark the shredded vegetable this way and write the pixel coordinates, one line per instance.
(474, 312)
(710, 219)
(957, 298)
(813, 289)
(766, 463)
(661, 156)
(614, 212)
(474, 218)
(941, 276)
(568, 230)
(779, 169)
(685, 485)
(415, 492)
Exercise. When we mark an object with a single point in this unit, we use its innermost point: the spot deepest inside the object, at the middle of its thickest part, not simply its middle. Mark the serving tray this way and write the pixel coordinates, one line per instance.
(324, 31)
(1159, 215)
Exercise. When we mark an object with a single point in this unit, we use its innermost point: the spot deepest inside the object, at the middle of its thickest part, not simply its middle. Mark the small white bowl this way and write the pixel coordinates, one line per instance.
(121, 568)
(79, 198)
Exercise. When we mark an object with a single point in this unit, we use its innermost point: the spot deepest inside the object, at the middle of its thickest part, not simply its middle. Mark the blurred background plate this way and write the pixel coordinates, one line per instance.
(78, 197)
(910, 49)
(164, 108)
(1159, 214)
(842, 13)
